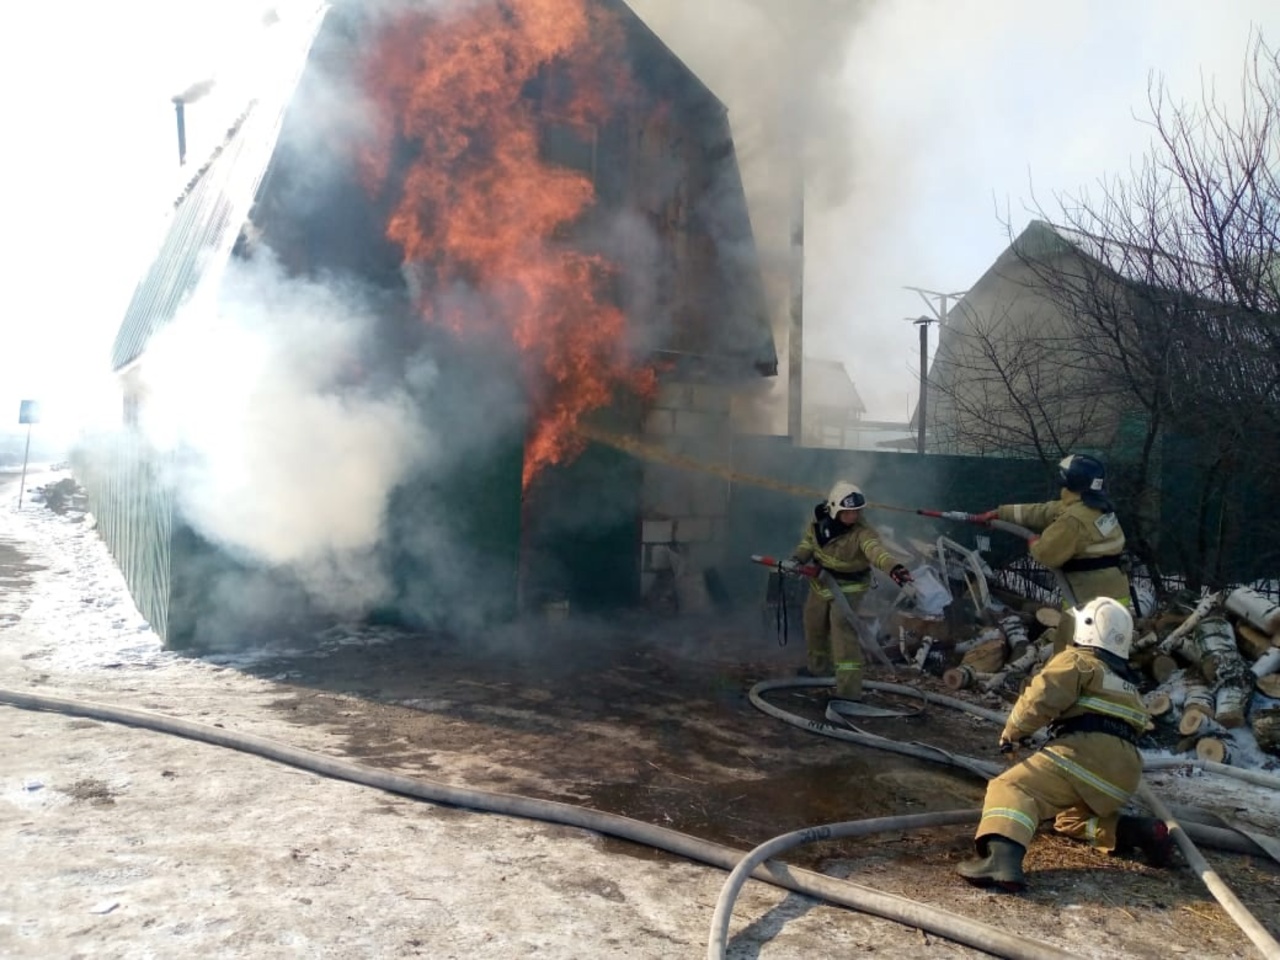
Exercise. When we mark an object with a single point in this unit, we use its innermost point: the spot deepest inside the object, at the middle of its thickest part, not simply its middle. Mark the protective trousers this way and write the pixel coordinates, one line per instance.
(833, 644)
(1082, 780)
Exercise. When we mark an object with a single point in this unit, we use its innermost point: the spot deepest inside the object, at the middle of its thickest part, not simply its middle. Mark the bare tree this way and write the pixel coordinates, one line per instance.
(1165, 352)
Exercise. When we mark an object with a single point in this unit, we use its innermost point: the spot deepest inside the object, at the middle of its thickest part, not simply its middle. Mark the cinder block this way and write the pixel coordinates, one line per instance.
(660, 423)
(692, 424)
(693, 530)
(711, 399)
(656, 531)
(674, 396)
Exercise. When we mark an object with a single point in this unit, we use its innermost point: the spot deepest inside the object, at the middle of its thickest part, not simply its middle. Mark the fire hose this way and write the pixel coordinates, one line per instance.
(810, 883)
(1183, 833)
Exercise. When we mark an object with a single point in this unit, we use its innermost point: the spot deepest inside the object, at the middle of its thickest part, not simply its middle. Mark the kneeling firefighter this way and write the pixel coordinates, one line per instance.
(1090, 767)
(841, 542)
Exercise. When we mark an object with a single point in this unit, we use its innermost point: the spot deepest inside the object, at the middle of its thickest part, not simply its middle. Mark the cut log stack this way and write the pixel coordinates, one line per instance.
(1222, 666)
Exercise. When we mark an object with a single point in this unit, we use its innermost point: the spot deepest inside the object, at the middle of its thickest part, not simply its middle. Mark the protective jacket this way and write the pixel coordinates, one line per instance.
(1083, 542)
(849, 551)
(1089, 769)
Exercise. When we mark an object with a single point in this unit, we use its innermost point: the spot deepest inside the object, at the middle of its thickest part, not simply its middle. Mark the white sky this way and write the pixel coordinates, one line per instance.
(958, 106)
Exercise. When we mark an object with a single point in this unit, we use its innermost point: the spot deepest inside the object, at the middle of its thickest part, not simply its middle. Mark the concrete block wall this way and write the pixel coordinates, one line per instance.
(683, 509)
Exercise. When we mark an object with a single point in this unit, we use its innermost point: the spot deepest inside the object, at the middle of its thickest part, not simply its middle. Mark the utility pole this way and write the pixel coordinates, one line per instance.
(939, 317)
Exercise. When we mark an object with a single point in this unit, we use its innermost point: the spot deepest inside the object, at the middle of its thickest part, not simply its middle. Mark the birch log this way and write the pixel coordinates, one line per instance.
(1201, 611)
(1266, 729)
(1251, 606)
(1252, 641)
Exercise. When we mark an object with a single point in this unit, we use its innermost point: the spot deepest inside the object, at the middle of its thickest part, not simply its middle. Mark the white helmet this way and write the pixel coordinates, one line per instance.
(845, 496)
(1106, 624)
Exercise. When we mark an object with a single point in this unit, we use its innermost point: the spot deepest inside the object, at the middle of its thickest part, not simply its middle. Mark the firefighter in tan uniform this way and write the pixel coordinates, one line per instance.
(1079, 535)
(840, 541)
(1089, 768)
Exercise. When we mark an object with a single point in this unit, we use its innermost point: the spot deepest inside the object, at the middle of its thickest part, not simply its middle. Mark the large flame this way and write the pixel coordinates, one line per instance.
(471, 95)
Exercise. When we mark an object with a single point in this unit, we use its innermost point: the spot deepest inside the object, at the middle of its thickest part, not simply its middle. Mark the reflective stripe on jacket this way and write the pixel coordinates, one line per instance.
(1075, 682)
(849, 555)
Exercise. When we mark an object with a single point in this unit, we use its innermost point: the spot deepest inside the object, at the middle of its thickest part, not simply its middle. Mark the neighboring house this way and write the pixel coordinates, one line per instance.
(833, 409)
(667, 208)
(1017, 372)
(1068, 341)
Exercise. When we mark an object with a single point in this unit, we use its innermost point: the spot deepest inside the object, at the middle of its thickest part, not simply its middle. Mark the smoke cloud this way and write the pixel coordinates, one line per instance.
(284, 451)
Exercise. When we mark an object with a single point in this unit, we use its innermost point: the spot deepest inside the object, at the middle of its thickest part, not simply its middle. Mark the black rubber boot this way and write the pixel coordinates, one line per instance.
(1000, 868)
(1149, 835)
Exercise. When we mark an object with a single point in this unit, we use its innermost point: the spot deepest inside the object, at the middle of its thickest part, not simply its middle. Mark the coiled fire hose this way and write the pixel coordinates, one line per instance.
(854, 896)
(1182, 833)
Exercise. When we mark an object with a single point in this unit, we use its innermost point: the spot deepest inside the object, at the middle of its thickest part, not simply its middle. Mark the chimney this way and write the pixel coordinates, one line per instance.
(179, 108)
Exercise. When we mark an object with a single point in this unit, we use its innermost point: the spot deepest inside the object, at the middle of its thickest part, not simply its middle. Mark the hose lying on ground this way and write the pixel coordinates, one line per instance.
(855, 896)
(1246, 921)
(719, 940)
(1181, 832)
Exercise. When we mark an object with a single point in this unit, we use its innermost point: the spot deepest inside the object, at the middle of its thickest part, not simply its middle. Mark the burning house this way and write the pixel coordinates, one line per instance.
(472, 235)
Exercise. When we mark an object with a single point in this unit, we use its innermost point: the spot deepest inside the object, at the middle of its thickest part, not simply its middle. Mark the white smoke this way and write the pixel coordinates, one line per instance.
(284, 450)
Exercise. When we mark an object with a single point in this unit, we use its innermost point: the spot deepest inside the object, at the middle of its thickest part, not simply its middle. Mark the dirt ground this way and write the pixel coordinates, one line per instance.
(126, 843)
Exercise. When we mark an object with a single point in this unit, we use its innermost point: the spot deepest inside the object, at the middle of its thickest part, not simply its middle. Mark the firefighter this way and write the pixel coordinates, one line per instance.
(840, 541)
(1079, 535)
(1085, 774)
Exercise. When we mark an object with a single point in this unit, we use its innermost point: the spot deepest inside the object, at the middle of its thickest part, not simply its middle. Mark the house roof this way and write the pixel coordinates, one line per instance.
(827, 383)
(209, 214)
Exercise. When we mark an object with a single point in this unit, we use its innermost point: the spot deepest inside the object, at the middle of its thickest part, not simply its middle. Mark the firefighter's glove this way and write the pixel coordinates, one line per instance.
(790, 565)
(987, 517)
(901, 575)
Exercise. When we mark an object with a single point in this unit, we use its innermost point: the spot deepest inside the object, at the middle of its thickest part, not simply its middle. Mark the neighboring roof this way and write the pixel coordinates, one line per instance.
(827, 383)
(210, 213)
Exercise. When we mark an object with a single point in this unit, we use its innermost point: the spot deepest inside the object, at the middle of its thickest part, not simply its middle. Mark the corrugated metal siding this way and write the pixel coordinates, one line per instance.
(123, 477)
(209, 217)
(134, 513)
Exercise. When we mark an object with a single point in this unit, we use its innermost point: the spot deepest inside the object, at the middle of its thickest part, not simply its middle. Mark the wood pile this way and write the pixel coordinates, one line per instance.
(1218, 658)
(1212, 670)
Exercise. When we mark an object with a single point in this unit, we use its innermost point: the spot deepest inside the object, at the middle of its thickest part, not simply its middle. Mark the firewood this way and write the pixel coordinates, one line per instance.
(1158, 703)
(1252, 607)
(988, 656)
(1048, 617)
(960, 678)
(1221, 664)
(1266, 729)
(1230, 703)
(1199, 698)
(1195, 723)
(1253, 642)
(1266, 664)
(1269, 685)
(1211, 748)
(1163, 667)
(1218, 654)
(1206, 604)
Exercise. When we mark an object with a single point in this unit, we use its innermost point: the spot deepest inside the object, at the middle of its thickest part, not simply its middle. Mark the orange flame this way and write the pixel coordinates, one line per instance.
(480, 205)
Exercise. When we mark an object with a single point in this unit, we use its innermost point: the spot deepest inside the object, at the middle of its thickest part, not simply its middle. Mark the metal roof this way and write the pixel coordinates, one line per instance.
(209, 215)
